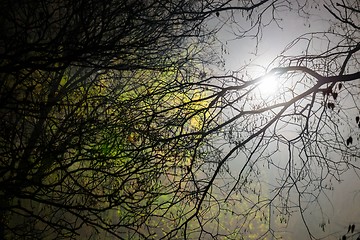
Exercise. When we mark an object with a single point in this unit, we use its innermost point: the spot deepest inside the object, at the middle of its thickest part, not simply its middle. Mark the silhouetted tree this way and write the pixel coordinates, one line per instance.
(98, 106)
(118, 122)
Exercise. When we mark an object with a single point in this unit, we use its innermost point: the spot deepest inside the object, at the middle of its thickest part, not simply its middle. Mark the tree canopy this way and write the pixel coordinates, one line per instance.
(119, 119)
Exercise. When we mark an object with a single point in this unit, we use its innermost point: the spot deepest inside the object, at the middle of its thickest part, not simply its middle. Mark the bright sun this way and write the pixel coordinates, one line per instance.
(268, 85)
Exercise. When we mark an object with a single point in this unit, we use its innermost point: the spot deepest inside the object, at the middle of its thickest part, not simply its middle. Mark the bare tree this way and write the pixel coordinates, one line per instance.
(313, 119)
(116, 123)
(92, 97)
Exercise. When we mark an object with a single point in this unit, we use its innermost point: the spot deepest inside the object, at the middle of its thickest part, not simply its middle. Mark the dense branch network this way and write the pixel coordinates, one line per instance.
(116, 125)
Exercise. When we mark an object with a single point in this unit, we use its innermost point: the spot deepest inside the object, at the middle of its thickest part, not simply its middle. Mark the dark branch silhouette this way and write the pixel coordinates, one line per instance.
(118, 122)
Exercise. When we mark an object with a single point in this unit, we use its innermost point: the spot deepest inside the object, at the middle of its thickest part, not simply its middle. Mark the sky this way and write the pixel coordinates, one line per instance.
(340, 207)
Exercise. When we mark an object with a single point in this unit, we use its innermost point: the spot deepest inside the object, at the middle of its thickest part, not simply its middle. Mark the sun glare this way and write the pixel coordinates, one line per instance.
(268, 85)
